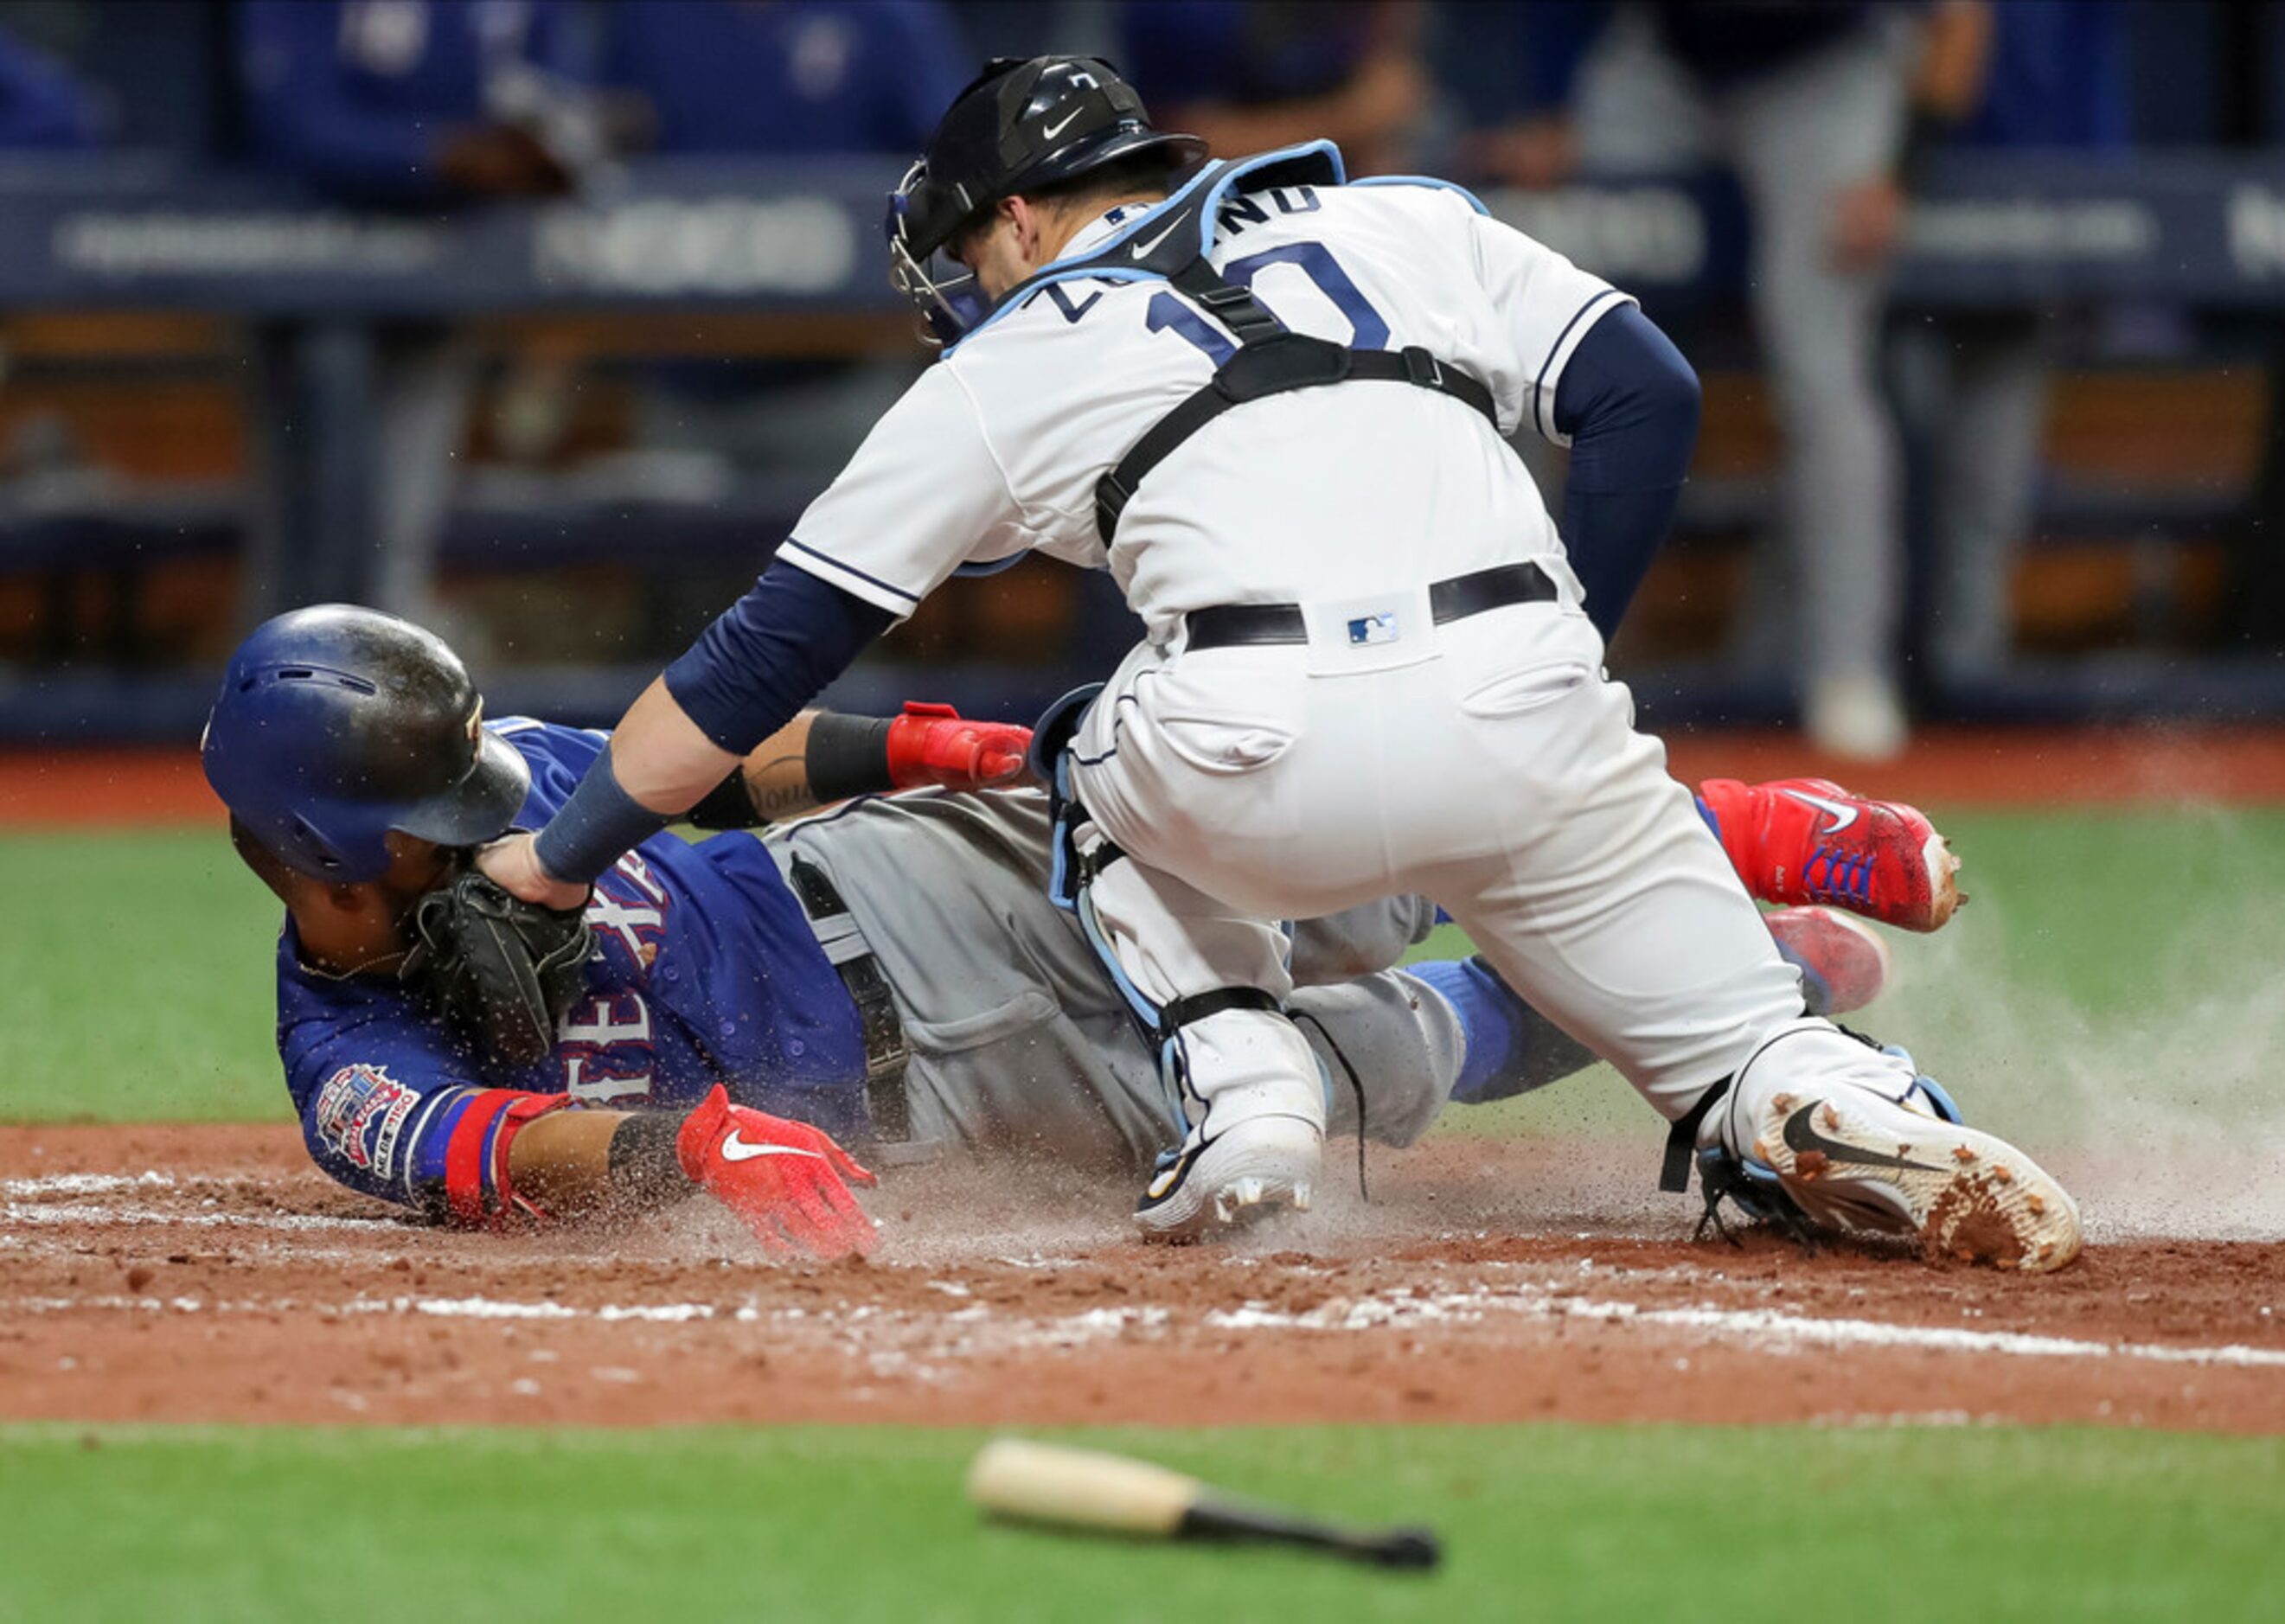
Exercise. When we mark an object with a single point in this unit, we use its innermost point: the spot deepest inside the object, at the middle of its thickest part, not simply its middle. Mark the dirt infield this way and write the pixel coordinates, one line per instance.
(210, 1275)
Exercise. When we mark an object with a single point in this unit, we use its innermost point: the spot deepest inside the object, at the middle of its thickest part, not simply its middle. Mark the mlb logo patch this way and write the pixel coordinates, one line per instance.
(354, 1103)
(1367, 629)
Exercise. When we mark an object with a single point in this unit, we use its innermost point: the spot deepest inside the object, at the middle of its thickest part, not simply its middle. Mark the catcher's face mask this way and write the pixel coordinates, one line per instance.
(1019, 125)
(923, 269)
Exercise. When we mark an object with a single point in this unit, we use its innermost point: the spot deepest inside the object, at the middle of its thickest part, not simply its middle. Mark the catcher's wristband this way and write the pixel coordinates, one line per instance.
(599, 825)
(728, 806)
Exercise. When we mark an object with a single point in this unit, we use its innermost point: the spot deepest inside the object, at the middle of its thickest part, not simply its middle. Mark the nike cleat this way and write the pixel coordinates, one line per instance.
(1807, 840)
(1843, 965)
(1250, 1170)
(1864, 1143)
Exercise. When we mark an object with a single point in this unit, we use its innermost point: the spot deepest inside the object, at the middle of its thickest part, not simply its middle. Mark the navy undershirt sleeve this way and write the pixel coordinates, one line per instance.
(770, 653)
(1629, 403)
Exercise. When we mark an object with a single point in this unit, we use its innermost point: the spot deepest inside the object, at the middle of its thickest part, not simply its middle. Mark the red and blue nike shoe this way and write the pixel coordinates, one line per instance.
(1807, 840)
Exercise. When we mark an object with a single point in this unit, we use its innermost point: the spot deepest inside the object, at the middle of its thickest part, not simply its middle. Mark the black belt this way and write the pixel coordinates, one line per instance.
(1227, 625)
(885, 1051)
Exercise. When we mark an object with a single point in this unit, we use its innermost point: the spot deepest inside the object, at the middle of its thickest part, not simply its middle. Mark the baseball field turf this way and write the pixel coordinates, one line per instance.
(863, 1523)
(2113, 986)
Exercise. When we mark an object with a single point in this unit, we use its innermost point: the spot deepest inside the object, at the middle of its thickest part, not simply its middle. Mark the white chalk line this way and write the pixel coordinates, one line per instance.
(1760, 1325)
(1408, 1310)
(85, 1183)
(54, 1216)
(892, 1342)
(1752, 1322)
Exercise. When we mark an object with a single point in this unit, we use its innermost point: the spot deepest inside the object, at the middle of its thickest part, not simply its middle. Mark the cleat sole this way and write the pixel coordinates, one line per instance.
(1251, 1172)
(1985, 1202)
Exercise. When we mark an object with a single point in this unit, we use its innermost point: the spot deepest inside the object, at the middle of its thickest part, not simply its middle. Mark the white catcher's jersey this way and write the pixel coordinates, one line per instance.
(1321, 493)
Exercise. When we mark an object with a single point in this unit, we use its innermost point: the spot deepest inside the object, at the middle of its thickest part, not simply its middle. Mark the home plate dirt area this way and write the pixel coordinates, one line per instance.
(194, 1275)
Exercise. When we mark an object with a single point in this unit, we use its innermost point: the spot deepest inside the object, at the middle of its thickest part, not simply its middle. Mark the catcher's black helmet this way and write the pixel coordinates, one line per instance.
(1019, 126)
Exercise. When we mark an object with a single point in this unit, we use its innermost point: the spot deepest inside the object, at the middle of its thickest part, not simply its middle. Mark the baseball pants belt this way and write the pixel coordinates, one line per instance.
(1229, 624)
(886, 1050)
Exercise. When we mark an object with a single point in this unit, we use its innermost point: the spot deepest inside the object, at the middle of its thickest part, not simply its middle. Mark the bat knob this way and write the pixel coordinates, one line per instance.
(1408, 1548)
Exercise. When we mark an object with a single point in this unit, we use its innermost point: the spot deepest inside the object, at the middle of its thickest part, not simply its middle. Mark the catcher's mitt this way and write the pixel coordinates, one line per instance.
(499, 970)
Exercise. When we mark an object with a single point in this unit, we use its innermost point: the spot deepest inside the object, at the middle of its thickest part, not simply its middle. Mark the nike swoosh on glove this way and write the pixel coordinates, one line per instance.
(787, 1181)
(935, 744)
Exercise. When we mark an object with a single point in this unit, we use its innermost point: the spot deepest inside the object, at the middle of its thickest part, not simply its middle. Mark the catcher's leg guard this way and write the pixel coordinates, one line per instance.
(1847, 1134)
(1245, 1093)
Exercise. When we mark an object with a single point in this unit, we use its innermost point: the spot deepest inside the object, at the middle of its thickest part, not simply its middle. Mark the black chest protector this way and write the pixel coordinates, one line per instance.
(1270, 358)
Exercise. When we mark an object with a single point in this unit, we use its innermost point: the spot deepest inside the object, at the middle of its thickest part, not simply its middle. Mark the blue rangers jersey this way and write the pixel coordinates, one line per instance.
(705, 969)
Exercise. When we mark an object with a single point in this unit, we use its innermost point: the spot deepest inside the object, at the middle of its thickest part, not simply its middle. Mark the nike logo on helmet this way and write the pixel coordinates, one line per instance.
(1800, 1135)
(736, 1150)
(1141, 250)
(1052, 130)
(1842, 816)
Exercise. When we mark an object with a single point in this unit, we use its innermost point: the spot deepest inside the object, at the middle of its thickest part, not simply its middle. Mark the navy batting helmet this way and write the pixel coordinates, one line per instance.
(1019, 126)
(337, 724)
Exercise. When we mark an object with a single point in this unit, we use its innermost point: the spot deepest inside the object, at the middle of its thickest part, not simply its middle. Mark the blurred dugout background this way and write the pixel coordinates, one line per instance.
(539, 320)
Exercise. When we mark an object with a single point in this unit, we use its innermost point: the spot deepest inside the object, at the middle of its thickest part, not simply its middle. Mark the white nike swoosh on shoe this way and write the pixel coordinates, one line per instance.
(736, 1150)
(1842, 816)
(1141, 249)
(1052, 130)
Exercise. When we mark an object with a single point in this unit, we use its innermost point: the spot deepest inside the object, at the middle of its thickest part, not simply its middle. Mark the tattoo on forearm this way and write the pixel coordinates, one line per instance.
(774, 799)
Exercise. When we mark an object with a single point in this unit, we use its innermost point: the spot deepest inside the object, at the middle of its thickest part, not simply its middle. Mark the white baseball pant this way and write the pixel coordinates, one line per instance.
(1488, 764)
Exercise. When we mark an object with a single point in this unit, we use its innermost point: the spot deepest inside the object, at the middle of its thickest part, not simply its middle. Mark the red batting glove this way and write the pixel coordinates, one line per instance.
(785, 1179)
(934, 744)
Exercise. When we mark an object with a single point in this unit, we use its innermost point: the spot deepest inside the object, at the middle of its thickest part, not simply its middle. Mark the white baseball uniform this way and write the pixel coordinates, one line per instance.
(1487, 762)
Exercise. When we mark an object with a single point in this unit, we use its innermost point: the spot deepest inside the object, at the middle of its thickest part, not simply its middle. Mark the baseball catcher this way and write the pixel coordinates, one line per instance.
(1277, 406)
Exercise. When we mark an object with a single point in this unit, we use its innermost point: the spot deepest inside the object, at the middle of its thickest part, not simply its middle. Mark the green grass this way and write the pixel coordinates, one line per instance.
(863, 1523)
(140, 985)
(2105, 953)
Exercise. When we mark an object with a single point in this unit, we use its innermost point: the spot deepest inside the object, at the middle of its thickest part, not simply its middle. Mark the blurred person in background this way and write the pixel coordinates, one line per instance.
(415, 105)
(405, 103)
(790, 79)
(1252, 75)
(1972, 385)
(1814, 106)
(786, 77)
(41, 105)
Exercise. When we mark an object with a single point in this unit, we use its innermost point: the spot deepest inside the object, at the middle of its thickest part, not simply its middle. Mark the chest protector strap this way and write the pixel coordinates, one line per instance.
(1271, 359)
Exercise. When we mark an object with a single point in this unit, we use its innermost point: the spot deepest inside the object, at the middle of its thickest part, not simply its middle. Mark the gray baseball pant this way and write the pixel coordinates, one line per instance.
(1019, 1040)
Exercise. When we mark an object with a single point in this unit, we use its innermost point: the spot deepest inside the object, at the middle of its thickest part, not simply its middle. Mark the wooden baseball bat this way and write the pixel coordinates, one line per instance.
(1064, 1488)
